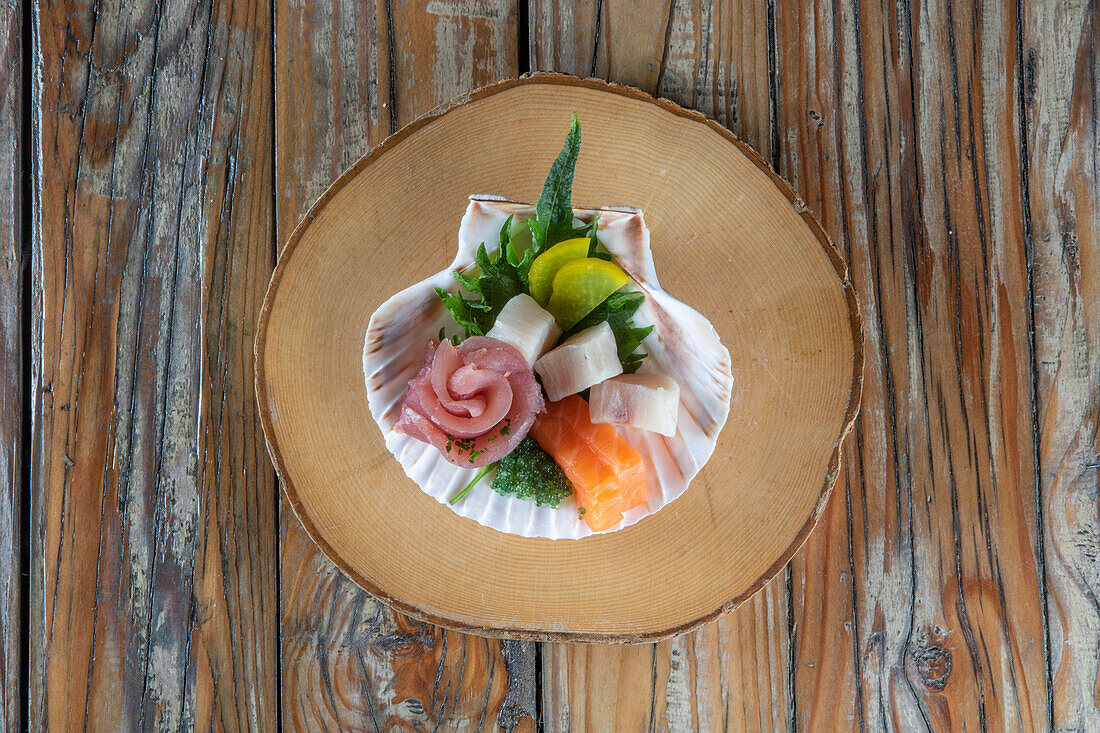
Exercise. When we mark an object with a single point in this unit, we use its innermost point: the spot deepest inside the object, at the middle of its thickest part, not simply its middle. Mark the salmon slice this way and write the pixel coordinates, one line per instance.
(608, 475)
(614, 450)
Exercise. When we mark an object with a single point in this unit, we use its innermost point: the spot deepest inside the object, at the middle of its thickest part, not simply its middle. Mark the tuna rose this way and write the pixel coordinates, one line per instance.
(474, 403)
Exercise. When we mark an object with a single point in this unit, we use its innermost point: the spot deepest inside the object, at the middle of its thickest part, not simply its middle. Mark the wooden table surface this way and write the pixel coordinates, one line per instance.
(153, 156)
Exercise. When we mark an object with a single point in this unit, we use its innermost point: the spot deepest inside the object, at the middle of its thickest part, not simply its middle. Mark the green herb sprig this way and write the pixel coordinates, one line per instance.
(618, 310)
(497, 281)
(469, 487)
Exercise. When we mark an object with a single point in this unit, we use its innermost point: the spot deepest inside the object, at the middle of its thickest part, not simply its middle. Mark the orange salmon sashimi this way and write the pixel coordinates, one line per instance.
(613, 450)
(607, 474)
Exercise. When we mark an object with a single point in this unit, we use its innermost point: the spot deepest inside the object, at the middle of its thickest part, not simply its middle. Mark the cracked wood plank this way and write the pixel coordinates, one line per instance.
(361, 71)
(1059, 94)
(917, 602)
(619, 41)
(153, 602)
(709, 56)
(12, 99)
(899, 127)
(734, 673)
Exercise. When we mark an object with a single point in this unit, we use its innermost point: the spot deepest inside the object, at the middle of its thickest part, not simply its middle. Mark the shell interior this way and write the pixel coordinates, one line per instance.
(683, 345)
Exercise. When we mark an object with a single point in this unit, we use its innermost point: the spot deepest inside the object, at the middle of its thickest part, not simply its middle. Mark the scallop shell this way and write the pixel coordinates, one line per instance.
(682, 345)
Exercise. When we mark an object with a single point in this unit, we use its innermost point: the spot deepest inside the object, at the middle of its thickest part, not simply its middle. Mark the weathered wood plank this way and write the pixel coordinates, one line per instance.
(1059, 92)
(816, 67)
(621, 41)
(916, 603)
(12, 98)
(734, 673)
(898, 124)
(348, 662)
(727, 675)
(709, 56)
(153, 601)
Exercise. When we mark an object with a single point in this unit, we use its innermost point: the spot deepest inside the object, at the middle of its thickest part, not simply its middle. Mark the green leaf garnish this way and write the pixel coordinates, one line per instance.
(553, 221)
(618, 310)
(498, 281)
(462, 310)
(554, 206)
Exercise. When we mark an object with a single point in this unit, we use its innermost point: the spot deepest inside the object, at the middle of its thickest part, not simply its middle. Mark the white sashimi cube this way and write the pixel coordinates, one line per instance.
(646, 401)
(579, 362)
(523, 323)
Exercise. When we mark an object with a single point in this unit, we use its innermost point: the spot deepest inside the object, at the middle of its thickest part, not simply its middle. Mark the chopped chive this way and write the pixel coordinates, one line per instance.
(480, 475)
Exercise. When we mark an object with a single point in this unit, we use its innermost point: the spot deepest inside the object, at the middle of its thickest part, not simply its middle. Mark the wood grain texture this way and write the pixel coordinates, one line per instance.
(733, 674)
(727, 675)
(363, 70)
(422, 558)
(917, 603)
(950, 149)
(621, 41)
(351, 663)
(708, 56)
(898, 125)
(12, 99)
(817, 48)
(153, 604)
(1059, 90)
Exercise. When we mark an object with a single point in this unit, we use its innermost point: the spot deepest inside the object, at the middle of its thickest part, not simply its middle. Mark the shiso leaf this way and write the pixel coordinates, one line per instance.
(618, 310)
(497, 282)
(555, 204)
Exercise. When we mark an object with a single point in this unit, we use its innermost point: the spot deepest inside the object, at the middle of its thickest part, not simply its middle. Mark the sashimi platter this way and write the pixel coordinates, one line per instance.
(558, 361)
(544, 384)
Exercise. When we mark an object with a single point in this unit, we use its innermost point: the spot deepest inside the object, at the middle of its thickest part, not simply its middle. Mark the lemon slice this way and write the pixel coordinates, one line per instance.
(580, 286)
(545, 267)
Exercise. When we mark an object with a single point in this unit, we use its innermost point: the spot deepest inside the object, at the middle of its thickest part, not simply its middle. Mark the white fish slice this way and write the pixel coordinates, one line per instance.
(683, 345)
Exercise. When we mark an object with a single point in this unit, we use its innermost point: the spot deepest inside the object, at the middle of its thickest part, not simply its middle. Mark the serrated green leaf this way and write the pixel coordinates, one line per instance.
(482, 259)
(593, 241)
(523, 268)
(618, 310)
(538, 235)
(470, 283)
(554, 206)
(497, 282)
(462, 311)
(506, 245)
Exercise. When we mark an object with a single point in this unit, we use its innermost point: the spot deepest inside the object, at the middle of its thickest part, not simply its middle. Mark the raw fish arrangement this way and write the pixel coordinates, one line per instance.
(545, 384)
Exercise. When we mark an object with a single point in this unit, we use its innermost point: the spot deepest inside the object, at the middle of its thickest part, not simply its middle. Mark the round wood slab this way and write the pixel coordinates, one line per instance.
(729, 238)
